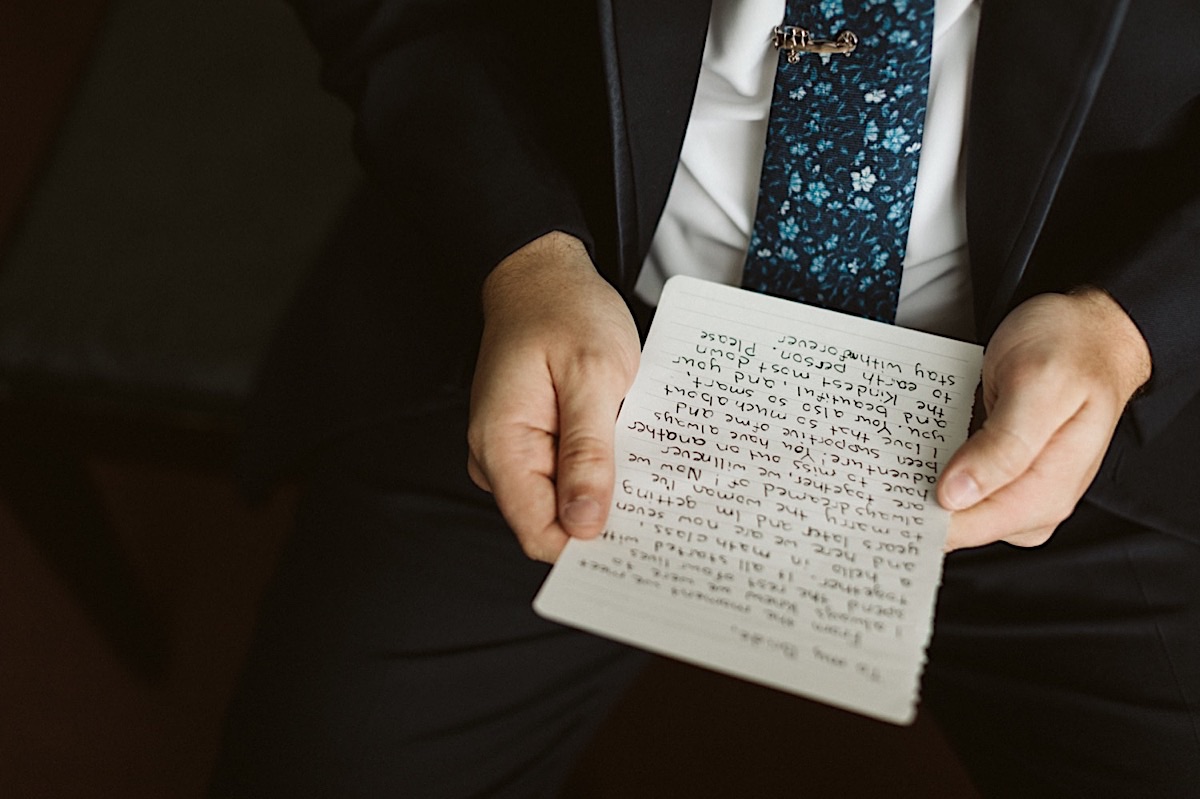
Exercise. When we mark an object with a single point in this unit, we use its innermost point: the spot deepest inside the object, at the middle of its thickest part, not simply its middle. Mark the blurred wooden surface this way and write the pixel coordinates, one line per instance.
(44, 45)
(75, 723)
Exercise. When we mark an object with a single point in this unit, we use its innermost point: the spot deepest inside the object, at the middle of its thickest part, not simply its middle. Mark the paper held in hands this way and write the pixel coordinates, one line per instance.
(774, 514)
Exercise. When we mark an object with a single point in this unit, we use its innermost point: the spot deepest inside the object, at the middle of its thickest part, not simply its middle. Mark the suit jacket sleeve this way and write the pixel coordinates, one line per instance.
(1126, 214)
(1156, 277)
(1161, 292)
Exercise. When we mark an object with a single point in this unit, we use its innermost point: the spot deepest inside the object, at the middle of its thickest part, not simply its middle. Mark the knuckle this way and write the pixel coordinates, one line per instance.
(531, 550)
(1031, 371)
(476, 440)
(1029, 537)
(584, 449)
(478, 478)
(596, 364)
(477, 462)
(1060, 515)
(1056, 501)
(535, 549)
(1036, 537)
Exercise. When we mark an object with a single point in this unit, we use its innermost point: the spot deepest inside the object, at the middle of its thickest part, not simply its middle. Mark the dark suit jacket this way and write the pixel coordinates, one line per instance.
(485, 124)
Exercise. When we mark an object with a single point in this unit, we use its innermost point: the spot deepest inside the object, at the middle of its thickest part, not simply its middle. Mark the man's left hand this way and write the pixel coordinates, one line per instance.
(1056, 377)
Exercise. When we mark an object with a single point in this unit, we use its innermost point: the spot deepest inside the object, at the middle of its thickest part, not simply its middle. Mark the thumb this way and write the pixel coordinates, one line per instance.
(585, 471)
(1015, 433)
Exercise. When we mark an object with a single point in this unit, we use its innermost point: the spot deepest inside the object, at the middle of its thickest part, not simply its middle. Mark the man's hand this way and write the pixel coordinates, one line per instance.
(558, 354)
(1056, 378)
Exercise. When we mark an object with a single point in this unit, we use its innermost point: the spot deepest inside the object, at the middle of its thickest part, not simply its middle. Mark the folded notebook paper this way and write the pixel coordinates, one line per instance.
(774, 514)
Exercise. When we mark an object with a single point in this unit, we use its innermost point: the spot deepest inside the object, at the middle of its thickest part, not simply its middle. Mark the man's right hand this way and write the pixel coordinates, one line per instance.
(558, 354)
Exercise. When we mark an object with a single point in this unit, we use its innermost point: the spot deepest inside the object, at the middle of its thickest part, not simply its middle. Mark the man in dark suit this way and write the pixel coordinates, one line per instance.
(522, 153)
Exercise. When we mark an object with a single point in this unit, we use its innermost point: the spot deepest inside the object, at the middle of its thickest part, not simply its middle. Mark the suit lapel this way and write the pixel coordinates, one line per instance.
(1038, 65)
(652, 52)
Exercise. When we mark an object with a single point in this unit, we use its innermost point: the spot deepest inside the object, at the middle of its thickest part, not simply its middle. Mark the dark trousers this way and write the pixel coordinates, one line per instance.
(397, 656)
(1073, 669)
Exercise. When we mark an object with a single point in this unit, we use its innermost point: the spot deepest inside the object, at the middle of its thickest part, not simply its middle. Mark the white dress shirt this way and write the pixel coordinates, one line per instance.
(705, 229)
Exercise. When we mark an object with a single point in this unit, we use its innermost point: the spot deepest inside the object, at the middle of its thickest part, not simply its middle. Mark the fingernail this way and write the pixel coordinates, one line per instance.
(961, 491)
(581, 512)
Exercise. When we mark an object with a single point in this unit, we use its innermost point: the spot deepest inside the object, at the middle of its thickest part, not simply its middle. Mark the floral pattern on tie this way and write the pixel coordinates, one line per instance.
(840, 170)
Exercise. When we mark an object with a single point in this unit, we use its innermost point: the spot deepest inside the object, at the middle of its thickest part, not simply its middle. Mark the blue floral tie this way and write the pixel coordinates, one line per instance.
(840, 169)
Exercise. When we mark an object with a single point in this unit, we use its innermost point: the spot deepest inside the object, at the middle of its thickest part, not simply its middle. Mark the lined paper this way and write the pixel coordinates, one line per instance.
(774, 514)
